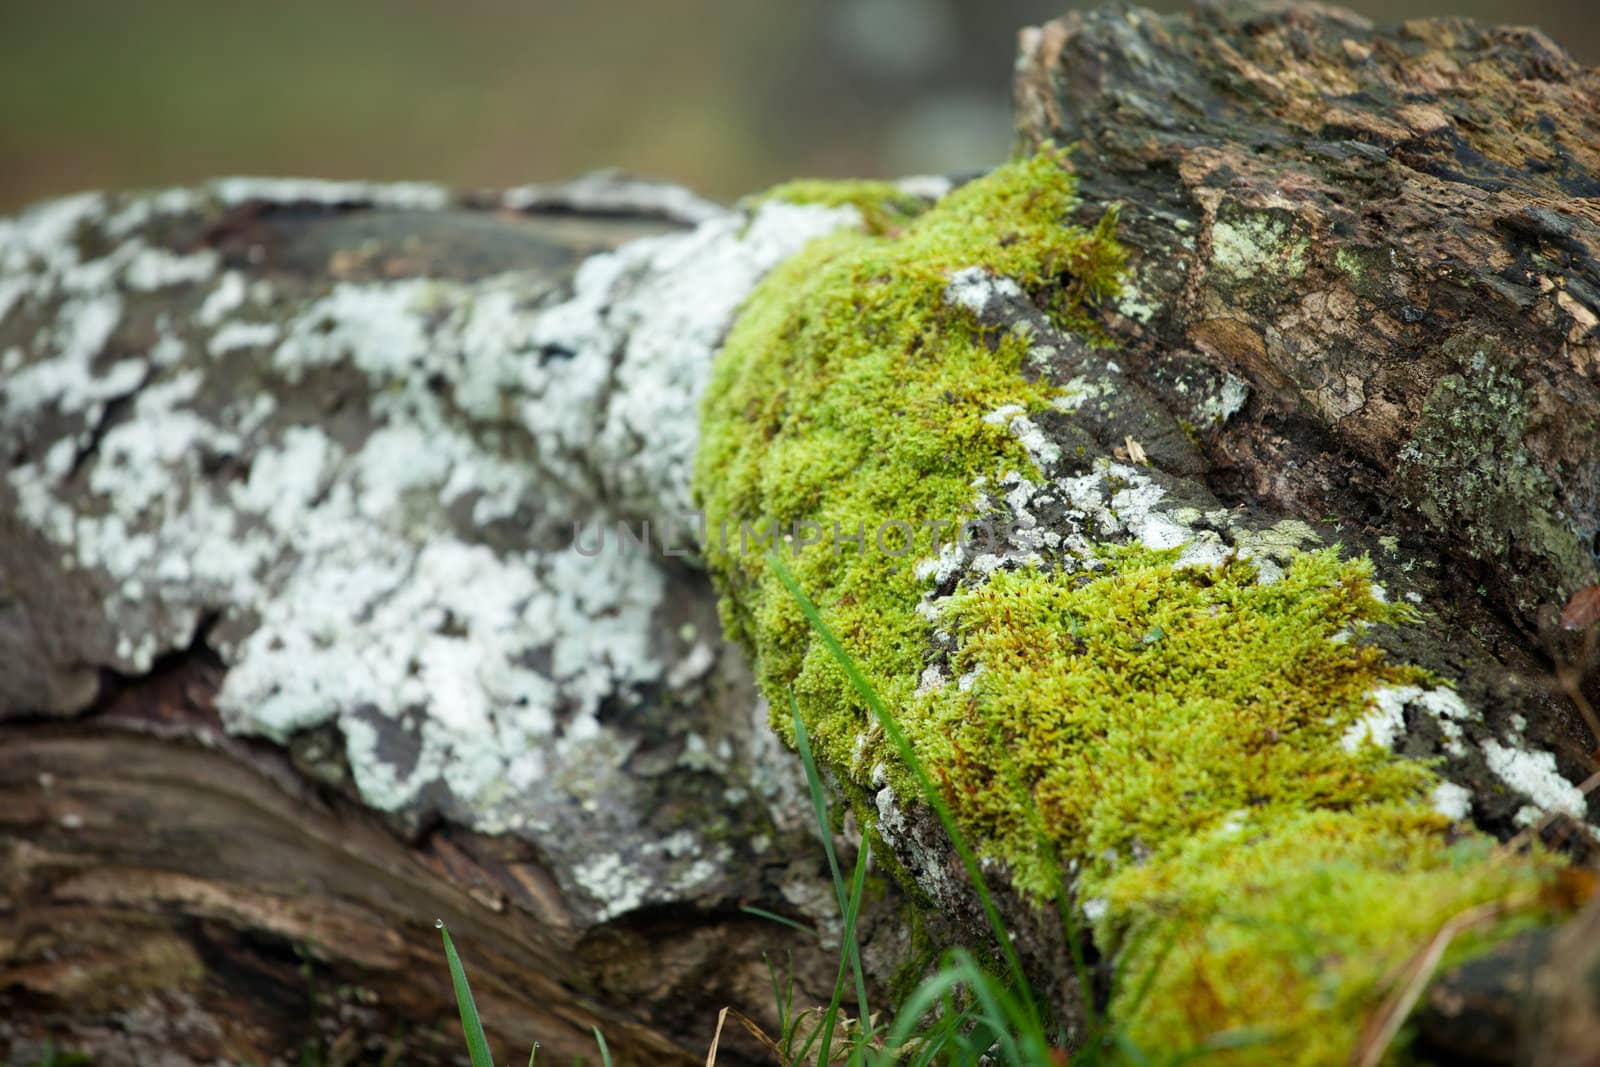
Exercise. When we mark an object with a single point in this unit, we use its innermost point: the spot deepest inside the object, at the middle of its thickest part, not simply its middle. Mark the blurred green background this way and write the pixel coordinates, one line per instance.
(724, 95)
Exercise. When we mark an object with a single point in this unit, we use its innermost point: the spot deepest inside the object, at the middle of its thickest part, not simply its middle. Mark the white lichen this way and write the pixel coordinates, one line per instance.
(975, 288)
(1451, 800)
(415, 196)
(609, 192)
(1533, 774)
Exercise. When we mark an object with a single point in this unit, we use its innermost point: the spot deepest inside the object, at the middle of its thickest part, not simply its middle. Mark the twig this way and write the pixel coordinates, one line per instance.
(755, 1031)
(1381, 1028)
(1570, 675)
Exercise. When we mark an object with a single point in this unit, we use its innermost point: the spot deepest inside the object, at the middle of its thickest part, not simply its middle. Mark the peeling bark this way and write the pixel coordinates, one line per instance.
(1388, 234)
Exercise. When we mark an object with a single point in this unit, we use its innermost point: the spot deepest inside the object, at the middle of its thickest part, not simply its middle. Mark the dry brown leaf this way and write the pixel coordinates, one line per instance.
(1583, 610)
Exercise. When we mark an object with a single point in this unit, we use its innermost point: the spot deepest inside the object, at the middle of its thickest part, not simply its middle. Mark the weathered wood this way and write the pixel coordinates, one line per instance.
(196, 894)
(1389, 236)
(1375, 229)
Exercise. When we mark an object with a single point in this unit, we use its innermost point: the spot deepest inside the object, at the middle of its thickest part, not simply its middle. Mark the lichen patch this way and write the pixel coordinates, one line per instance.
(368, 490)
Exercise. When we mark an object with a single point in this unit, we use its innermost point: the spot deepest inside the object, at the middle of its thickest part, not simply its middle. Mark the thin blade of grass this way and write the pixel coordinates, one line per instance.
(997, 1007)
(930, 992)
(471, 1025)
(914, 766)
(848, 937)
(600, 1039)
(783, 999)
(800, 1054)
(762, 913)
(819, 805)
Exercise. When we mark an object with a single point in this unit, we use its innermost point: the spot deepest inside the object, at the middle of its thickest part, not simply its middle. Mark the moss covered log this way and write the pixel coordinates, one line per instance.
(1183, 742)
(1203, 499)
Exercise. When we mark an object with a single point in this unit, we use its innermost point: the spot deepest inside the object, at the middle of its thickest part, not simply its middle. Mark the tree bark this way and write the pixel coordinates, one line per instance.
(1389, 235)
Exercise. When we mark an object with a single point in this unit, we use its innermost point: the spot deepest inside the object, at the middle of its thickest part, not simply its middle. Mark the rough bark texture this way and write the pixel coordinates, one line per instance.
(299, 653)
(1362, 312)
(1390, 236)
(1384, 232)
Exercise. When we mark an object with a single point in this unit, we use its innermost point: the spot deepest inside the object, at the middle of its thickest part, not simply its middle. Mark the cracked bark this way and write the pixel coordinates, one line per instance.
(1388, 233)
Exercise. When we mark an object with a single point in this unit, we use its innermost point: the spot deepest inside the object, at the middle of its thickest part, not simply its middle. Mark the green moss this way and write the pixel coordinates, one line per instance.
(848, 395)
(1130, 712)
(1290, 929)
(1172, 733)
(1176, 734)
(885, 207)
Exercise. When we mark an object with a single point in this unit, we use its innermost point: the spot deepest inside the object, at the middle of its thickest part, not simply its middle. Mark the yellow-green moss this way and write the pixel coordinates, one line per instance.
(1138, 709)
(1176, 733)
(1290, 928)
(1173, 733)
(848, 392)
(885, 207)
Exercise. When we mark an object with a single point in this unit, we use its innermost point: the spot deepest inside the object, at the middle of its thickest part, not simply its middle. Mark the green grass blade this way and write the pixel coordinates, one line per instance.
(848, 941)
(930, 992)
(996, 1010)
(783, 1001)
(819, 805)
(772, 916)
(913, 765)
(477, 1041)
(605, 1053)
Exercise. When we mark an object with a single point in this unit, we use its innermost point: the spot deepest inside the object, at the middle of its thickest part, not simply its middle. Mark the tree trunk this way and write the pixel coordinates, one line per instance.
(319, 623)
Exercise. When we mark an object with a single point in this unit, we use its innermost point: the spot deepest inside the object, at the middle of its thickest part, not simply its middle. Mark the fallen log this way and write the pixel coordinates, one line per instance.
(328, 605)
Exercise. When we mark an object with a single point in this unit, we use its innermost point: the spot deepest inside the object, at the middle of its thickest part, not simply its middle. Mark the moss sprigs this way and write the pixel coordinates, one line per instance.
(1141, 708)
(885, 207)
(1283, 934)
(850, 394)
(1177, 734)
